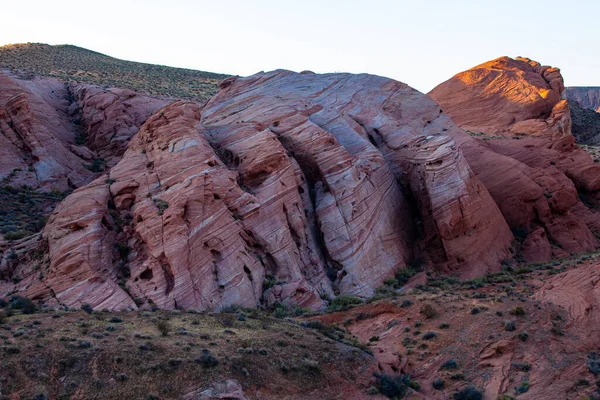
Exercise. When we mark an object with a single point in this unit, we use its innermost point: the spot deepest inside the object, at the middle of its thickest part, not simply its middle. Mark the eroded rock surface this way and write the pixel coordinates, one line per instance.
(57, 136)
(522, 149)
(293, 188)
(285, 188)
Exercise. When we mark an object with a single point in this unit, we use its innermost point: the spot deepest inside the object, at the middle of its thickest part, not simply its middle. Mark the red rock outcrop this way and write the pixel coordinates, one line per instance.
(548, 346)
(291, 188)
(42, 144)
(350, 130)
(522, 149)
(505, 95)
(35, 134)
(110, 117)
(285, 188)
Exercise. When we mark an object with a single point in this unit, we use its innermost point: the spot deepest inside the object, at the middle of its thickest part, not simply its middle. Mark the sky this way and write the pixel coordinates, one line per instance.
(419, 42)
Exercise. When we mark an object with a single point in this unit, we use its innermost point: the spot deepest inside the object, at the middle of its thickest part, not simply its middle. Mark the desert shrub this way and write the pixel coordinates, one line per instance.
(343, 302)
(232, 309)
(523, 336)
(163, 327)
(115, 320)
(374, 339)
(475, 310)
(438, 384)
(395, 386)
(121, 377)
(207, 360)
(87, 308)
(22, 303)
(161, 205)
(406, 303)
(522, 366)
(510, 326)
(468, 393)
(449, 364)
(593, 363)
(444, 326)
(361, 316)
(517, 311)
(16, 235)
(311, 365)
(403, 276)
(97, 165)
(523, 387)
(227, 320)
(428, 311)
(430, 335)
(3, 303)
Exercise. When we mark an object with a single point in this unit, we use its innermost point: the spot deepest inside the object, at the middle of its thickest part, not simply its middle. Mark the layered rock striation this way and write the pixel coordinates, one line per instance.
(293, 188)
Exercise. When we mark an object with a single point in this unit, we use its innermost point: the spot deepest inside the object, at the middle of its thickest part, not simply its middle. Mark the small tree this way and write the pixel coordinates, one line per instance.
(163, 327)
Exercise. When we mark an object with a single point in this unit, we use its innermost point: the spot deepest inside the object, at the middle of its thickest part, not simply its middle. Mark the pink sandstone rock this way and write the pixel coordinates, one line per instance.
(524, 153)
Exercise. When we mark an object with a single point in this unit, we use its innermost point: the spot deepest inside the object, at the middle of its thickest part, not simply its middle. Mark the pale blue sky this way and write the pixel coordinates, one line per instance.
(421, 43)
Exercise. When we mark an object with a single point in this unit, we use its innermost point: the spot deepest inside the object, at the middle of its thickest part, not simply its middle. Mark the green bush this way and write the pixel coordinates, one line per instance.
(16, 235)
(207, 360)
(22, 303)
(468, 393)
(438, 384)
(449, 364)
(395, 386)
(517, 311)
(428, 311)
(87, 308)
(343, 302)
(163, 327)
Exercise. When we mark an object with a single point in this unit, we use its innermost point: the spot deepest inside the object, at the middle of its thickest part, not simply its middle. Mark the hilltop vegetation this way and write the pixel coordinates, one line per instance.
(72, 63)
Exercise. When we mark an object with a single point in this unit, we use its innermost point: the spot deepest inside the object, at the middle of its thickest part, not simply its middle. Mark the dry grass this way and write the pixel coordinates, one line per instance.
(71, 63)
(74, 354)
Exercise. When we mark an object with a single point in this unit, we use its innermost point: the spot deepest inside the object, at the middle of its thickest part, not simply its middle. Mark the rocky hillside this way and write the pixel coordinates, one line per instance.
(240, 354)
(351, 202)
(75, 64)
(586, 124)
(292, 189)
(523, 333)
(588, 97)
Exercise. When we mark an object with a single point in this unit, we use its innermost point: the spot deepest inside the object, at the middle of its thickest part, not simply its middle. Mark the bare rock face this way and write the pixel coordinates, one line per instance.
(110, 117)
(35, 135)
(285, 188)
(521, 148)
(371, 148)
(505, 95)
(50, 131)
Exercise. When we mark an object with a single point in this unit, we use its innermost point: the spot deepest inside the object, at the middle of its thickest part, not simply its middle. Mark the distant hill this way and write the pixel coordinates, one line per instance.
(587, 96)
(72, 63)
(586, 124)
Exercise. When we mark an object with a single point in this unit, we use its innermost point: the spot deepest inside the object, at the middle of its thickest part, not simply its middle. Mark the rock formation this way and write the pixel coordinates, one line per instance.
(522, 149)
(295, 187)
(285, 188)
(44, 124)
